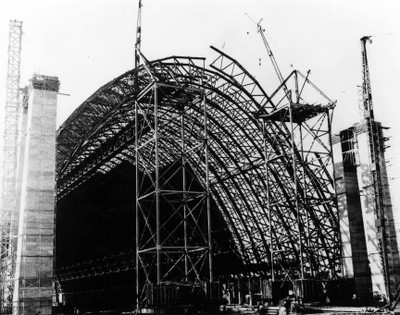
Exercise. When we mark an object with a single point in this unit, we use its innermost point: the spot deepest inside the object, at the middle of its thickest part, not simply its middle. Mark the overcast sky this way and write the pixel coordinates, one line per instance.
(87, 43)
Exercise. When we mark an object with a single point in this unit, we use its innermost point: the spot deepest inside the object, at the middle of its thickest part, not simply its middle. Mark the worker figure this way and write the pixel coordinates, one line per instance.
(225, 299)
(282, 309)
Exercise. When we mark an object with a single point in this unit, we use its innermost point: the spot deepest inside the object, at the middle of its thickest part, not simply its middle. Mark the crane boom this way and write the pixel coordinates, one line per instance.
(278, 72)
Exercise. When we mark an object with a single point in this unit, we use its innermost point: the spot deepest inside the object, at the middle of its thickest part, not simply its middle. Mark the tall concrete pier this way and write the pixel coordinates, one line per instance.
(33, 288)
(360, 229)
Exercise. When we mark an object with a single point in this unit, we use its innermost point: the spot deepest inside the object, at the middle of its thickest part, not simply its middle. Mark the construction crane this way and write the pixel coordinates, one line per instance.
(137, 60)
(9, 176)
(278, 72)
(376, 149)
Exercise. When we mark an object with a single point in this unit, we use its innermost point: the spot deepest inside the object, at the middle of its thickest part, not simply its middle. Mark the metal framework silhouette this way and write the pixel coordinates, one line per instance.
(264, 162)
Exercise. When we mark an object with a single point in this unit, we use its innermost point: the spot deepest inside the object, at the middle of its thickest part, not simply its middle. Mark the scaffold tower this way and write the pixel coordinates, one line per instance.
(300, 156)
(9, 176)
(173, 232)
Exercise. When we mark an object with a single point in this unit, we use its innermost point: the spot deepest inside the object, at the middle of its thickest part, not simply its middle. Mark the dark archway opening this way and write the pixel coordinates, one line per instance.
(95, 242)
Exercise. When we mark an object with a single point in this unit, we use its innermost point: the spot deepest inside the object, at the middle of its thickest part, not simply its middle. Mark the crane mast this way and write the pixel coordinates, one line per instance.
(137, 45)
(9, 177)
(366, 82)
(376, 149)
(137, 60)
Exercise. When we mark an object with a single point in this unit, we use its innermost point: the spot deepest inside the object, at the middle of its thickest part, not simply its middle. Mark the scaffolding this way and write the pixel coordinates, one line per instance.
(300, 188)
(34, 253)
(8, 210)
(173, 227)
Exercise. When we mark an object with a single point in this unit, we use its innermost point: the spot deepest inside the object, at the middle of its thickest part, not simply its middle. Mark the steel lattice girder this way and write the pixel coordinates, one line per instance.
(101, 133)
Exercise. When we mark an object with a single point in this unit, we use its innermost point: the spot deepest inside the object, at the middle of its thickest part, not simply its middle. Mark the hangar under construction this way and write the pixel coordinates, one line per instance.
(180, 185)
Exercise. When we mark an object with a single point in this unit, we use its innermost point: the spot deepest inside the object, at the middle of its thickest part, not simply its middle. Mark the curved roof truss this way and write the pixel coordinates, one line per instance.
(270, 164)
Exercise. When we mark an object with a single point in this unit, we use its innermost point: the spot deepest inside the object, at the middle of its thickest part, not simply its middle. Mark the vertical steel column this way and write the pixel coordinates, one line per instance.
(157, 183)
(137, 206)
(184, 192)
(329, 113)
(266, 155)
(208, 201)
(296, 198)
(136, 85)
(296, 80)
(303, 175)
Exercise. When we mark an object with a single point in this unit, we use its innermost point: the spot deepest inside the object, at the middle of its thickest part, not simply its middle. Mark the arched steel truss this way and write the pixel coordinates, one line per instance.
(272, 183)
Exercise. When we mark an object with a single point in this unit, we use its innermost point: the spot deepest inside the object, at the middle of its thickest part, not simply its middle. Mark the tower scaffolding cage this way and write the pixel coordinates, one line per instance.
(173, 227)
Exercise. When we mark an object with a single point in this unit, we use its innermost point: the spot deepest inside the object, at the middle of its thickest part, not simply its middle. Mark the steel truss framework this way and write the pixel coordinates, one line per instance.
(298, 161)
(254, 192)
(172, 242)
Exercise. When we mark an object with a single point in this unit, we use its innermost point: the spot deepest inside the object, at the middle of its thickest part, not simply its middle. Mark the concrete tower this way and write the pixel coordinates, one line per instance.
(33, 288)
(360, 229)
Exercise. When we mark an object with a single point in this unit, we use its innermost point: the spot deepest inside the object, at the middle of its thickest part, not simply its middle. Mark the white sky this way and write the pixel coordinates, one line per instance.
(87, 43)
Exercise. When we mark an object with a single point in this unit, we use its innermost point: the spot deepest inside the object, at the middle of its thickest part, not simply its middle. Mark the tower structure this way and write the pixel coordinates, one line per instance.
(375, 143)
(361, 230)
(303, 154)
(8, 210)
(370, 252)
(173, 227)
(33, 278)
